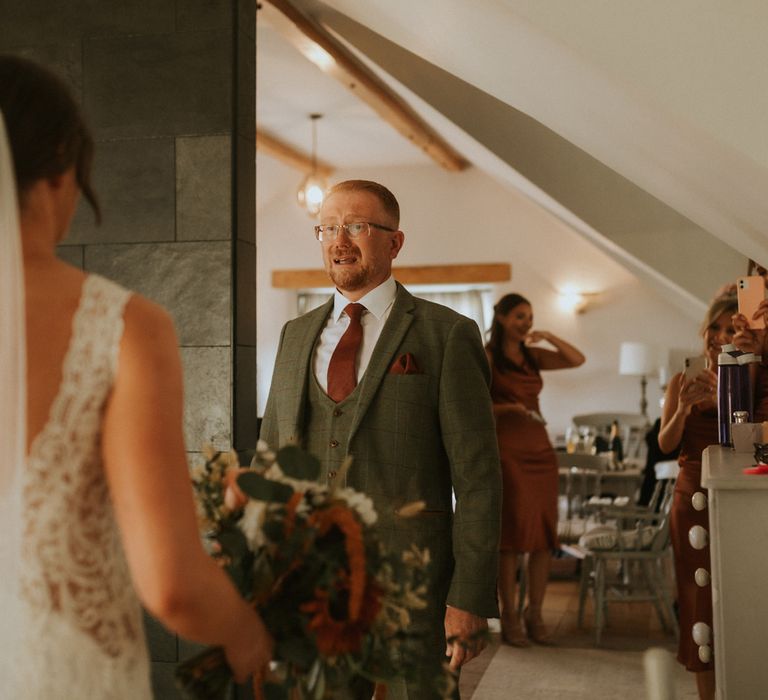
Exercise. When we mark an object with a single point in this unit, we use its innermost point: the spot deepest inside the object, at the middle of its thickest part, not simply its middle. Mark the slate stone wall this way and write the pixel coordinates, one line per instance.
(168, 88)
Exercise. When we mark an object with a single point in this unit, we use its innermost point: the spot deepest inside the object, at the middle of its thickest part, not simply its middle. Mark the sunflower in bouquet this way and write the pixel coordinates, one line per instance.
(307, 556)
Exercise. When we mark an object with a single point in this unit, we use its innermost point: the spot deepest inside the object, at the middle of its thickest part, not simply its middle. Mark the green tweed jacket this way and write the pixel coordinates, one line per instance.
(414, 436)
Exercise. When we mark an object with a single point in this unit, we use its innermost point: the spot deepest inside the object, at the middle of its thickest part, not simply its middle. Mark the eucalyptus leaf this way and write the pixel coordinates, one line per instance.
(273, 530)
(298, 464)
(314, 674)
(261, 489)
(320, 687)
(233, 542)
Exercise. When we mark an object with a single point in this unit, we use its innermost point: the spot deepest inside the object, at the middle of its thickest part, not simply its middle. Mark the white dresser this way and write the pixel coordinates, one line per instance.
(738, 532)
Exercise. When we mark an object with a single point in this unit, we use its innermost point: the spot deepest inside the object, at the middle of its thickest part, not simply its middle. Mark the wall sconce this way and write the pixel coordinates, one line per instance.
(311, 192)
(572, 300)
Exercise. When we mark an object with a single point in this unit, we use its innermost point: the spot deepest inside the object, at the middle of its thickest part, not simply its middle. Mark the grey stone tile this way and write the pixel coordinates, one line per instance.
(43, 21)
(65, 60)
(162, 644)
(246, 16)
(208, 396)
(245, 189)
(134, 181)
(245, 96)
(245, 419)
(159, 85)
(203, 188)
(245, 294)
(72, 254)
(203, 14)
(191, 280)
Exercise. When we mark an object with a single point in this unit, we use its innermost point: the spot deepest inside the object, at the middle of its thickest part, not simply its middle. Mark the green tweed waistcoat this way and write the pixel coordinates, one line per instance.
(328, 427)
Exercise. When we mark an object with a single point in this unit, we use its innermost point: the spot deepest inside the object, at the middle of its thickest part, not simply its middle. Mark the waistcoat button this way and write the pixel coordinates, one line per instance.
(334, 443)
(337, 412)
(332, 474)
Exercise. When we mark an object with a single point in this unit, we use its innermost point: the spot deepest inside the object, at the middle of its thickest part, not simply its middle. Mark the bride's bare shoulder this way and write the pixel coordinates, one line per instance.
(149, 334)
(143, 314)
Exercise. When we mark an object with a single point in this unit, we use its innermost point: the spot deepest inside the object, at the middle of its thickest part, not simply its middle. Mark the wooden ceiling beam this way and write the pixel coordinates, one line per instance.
(478, 273)
(284, 152)
(333, 58)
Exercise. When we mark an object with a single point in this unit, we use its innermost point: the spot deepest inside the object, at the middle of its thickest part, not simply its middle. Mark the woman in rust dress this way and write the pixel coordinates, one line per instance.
(689, 420)
(528, 461)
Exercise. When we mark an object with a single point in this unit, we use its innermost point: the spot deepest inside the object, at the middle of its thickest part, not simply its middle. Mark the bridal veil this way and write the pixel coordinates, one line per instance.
(13, 411)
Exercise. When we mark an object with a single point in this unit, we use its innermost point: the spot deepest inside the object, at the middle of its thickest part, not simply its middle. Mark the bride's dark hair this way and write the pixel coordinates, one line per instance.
(46, 130)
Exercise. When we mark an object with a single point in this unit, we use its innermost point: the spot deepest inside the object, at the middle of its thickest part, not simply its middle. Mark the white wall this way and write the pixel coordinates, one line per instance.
(469, 218)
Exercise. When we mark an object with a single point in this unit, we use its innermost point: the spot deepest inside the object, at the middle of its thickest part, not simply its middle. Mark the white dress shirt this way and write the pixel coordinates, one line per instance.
(378, 303)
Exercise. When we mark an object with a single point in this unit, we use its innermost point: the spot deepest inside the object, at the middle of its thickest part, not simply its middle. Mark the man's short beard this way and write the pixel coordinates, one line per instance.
(349, 280)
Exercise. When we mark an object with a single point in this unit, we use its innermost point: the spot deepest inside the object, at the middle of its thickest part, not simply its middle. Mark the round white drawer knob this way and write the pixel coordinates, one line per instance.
(698, 537)
(699, 501)
(701, 576)
(705, 653)
(702, 634)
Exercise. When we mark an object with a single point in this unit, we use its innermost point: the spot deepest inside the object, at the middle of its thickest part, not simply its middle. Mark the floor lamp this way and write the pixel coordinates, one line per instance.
(638, 360)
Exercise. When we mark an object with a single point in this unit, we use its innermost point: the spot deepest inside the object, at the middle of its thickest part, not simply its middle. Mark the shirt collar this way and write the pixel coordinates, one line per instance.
(377, 301)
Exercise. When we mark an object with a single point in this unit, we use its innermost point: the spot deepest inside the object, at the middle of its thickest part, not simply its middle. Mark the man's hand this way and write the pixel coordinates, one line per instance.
(467, 630)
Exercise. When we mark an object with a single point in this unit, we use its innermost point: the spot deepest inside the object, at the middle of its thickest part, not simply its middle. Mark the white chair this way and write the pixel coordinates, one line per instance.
(635, 536)
(583, 474)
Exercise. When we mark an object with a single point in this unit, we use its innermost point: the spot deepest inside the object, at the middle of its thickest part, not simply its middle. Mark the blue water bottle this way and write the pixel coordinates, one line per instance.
(741, 399)
(727, 387)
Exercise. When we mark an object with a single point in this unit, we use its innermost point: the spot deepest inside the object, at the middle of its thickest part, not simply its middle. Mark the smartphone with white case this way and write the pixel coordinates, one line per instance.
(694, 366)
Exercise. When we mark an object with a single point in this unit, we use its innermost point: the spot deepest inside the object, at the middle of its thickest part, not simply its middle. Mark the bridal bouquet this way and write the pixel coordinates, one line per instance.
(337, 605)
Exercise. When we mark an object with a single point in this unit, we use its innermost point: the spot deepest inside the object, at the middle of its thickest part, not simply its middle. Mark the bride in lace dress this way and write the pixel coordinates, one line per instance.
(96, 509)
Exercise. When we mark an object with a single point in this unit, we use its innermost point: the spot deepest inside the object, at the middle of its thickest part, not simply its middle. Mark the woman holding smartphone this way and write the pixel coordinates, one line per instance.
(528, 461)
(689, 421)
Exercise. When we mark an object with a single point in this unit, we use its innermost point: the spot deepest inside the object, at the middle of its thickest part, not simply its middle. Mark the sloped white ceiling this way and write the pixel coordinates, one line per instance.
(644, 173)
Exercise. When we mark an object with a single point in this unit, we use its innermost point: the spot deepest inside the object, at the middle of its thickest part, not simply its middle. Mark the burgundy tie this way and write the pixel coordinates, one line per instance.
(342, 375)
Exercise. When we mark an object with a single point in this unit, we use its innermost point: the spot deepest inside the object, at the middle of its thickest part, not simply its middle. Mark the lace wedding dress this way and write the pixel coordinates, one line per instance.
(84, 638)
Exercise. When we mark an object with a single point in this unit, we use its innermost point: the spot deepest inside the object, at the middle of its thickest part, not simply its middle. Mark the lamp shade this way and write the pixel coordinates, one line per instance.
(637, 359)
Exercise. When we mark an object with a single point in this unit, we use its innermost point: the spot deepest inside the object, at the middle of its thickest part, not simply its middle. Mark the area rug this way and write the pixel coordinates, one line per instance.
(570, 671)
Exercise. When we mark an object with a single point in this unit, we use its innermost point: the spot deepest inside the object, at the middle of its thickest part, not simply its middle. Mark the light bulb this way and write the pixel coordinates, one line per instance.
(311, 193)
(570, 299)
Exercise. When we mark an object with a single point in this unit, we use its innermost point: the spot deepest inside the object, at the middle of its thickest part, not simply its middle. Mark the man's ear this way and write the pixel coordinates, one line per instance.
(397, 240)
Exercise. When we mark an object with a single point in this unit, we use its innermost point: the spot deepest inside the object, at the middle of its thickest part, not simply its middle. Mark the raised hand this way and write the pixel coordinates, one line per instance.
(700, 389)
(537, 337)
(749, 339)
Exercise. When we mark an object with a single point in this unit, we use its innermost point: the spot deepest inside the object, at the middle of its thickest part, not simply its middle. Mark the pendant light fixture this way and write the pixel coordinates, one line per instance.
(311, 192)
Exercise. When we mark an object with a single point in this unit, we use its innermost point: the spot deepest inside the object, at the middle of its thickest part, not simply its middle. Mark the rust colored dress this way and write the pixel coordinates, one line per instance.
(694, 601)
(528, 465)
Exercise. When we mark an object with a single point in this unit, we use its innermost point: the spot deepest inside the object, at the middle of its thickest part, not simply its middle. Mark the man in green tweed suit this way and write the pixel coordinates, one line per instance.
(418, 422)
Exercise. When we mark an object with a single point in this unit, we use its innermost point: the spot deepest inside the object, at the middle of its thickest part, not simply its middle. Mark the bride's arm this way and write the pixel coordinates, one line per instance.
(149, 482)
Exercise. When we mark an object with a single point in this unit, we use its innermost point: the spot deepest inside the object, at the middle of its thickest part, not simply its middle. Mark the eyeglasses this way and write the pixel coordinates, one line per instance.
(328, 232)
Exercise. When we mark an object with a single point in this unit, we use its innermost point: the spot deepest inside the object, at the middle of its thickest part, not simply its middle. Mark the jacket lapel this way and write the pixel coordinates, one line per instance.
(304, 352)
(397, 325)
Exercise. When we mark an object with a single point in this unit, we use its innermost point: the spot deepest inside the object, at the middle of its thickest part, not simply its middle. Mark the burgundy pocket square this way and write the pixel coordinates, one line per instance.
(405, 364)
